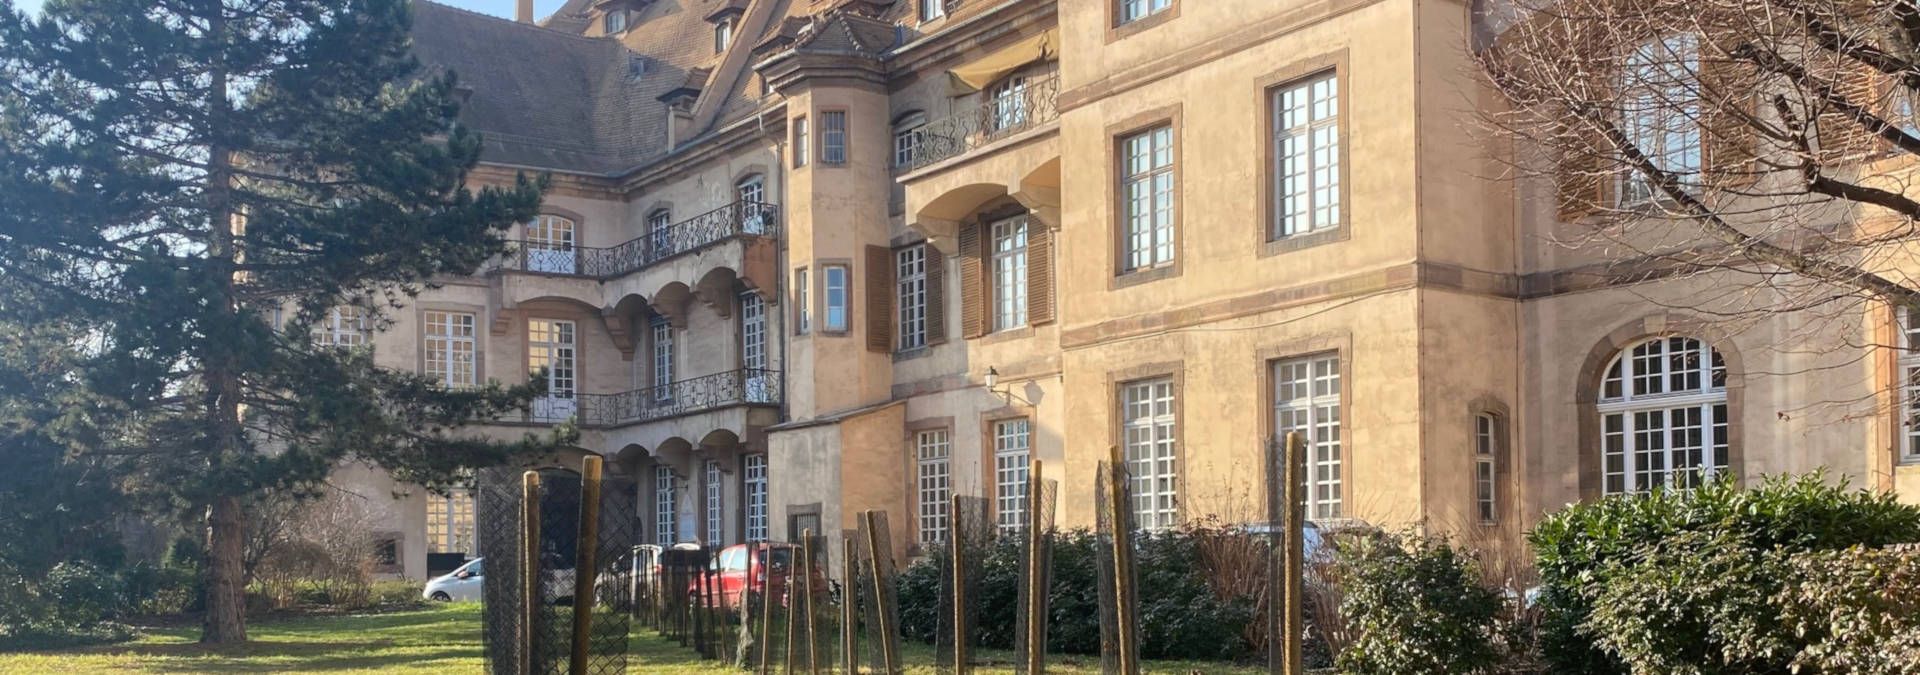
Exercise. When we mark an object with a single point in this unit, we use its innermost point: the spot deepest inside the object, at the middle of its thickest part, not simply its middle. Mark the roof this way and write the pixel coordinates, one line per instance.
(540, 97)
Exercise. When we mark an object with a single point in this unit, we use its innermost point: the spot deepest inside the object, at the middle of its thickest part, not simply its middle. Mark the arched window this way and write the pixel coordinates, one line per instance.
(1663, 416)
(752, 189)
(550, 245)
(907, 130)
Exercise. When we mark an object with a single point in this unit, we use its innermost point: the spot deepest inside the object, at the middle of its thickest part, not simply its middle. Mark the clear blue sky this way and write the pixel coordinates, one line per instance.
(504, 8)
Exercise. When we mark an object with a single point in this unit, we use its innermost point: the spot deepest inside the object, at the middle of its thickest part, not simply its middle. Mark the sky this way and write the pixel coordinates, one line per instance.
(503, 8)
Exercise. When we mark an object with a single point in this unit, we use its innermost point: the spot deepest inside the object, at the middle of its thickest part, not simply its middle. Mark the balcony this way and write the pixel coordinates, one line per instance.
(739, 219)
(1007, 114)
(743, 387)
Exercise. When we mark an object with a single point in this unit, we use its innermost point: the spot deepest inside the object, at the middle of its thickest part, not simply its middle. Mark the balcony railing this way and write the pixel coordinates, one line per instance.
(747, 386)
(1025, 107)
(739, 219)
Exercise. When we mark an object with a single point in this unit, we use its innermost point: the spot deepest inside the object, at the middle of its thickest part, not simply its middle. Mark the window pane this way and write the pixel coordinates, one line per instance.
(1307, 400)
(1010, 460)
(1147, 198)
(1306, 133)
(1148, 431)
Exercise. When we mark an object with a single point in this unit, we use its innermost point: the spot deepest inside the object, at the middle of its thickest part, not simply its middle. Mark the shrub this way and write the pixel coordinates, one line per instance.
(1414, 605)
(1588, 547)
(1859, 609)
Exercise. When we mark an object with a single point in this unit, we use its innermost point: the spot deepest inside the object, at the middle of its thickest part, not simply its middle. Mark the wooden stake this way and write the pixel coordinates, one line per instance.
(529, 566)
(849, 578)
(957, 578)
(1036, 581)
(884, 630)
(584, 565)
(806, 568)
(1293, 628)
(1123, 590)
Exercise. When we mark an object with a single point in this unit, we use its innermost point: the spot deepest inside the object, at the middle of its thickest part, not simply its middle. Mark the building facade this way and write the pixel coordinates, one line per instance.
(805, 258)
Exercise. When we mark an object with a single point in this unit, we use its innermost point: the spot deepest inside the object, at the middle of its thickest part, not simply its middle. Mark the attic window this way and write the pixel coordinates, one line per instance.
(722, 35)
(614, 22)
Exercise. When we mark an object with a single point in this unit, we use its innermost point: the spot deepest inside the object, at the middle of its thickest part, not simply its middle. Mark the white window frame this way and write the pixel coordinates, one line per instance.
(753, 482)
(614, 23)
(907, 134)
(837, 297)
(1149, 429)
(933, 485)
(1486, 467)
(802, 141)
(555, 345)
(450, 523)
(752, 189)
(715, 503)
(552, 245)
(1308, 398)
(666, 519)
(660, 332)
(753, 331)
(660, 230)
(1645, 398)
(833, 137)
(910, 282)
(1135, 10)
(1012, 456)
(932, 10)
(802, 303)
(1306, 156)
(1007, 103)
(452, 348)
(722, 35)
(343, 326)
(1660, 112)
(1147, 198)
(1908, 386)
(1008, 241)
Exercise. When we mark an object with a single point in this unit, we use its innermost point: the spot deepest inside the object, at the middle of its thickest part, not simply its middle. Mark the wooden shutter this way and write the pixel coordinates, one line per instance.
(1729, 100)
(1841, 136)
(879, 299)
(973, 290)
(1039, 272)
(936, 294)
(1582, 183)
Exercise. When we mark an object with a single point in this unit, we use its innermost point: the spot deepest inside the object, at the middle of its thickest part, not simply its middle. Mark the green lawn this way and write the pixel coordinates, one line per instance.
(443, 639)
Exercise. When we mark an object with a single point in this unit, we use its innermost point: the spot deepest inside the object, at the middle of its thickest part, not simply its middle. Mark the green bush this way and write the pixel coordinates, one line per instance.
(1415, 605)
(1587, 548)
(1858, 608)
(1181, 615)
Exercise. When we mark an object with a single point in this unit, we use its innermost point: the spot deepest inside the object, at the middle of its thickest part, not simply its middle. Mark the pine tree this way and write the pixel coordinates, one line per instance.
(175, 175)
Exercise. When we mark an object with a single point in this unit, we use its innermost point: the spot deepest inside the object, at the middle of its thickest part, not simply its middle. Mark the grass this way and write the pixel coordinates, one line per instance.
(440, 639)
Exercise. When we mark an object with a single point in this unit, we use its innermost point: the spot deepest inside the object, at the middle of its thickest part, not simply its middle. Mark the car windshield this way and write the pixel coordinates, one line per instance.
(781, 557)
(474, 567)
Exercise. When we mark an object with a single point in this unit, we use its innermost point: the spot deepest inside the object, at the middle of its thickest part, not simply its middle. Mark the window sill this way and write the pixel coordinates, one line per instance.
(1122, 31)
(1143, 276)
(1299, 242)
(1006, 335)
(911, 354)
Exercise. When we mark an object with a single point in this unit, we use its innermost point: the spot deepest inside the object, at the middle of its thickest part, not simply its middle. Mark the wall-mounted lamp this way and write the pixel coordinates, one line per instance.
(993, 378)
(1006, 394)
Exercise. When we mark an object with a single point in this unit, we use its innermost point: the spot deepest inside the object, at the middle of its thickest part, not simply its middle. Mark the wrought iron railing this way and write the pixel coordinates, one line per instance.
(738, 219)
(746, 386)
(1025, 107)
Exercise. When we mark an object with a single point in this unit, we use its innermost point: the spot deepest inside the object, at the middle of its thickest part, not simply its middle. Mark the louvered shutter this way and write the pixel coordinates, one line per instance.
(1039, 272)
(1730, 99)
(879, 299)
(973, 292)
(936, 295)
(1841, 136)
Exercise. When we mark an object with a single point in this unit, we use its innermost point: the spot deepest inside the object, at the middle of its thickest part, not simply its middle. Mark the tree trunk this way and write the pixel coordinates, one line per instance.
(226, 620)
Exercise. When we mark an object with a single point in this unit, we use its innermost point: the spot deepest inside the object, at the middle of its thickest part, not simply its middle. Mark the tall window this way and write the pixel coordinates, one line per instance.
(1011, 456)
(1306, 399)
(722, 35)
(833, 137)
(1008, 103)
(1663, 416)
(1147, 424)
(1486, 451)
(1306, 154)
(755, 216)
(933, 449)
(752, 189)
(1147, 194)
(665, 520)
(1910, 384)
(550, 246)
(450, 523)
(802, 303)
(800, 141)
(932, 9)
(910, 278)
(1660, 111)
(660, 231)
(662, 334)
(450, 348)
(1135, 10)
(836, 288)
(614, 22)
(344, 326)
(1010, 273)
(550, 346)
(753, 331)
(907, 133)
(753, 481)
(716, 504)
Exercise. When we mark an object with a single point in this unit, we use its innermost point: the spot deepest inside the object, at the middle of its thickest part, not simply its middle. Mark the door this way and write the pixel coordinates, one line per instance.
(550, 246)
(550, 346)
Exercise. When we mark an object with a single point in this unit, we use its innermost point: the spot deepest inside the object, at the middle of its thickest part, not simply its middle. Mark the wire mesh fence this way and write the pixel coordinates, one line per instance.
(1115, 574)
(969, 540)
(556, 616)
(1036, 574)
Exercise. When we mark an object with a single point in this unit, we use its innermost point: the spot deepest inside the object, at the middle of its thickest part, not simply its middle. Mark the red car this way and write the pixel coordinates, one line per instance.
(735, 573)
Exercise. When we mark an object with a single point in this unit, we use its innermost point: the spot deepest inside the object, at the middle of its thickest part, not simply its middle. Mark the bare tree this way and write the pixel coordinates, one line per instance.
(1768, 141)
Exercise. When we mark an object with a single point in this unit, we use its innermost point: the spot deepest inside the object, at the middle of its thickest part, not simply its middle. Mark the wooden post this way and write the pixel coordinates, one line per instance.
(806, 568)
(1293, 618)
(957, 578)
(849, 577)
(793, 623)
(529, 566)
(1123, 578)
(889, 661)
(1036, 581)
(766, 604)
(584, 565)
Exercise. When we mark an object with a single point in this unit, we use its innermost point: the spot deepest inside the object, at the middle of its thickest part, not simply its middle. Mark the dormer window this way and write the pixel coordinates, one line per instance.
(615, 22)
(722, 35)
(723, 18)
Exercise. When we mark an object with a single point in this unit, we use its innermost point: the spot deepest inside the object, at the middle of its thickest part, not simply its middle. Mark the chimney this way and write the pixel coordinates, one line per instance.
(524, 12)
